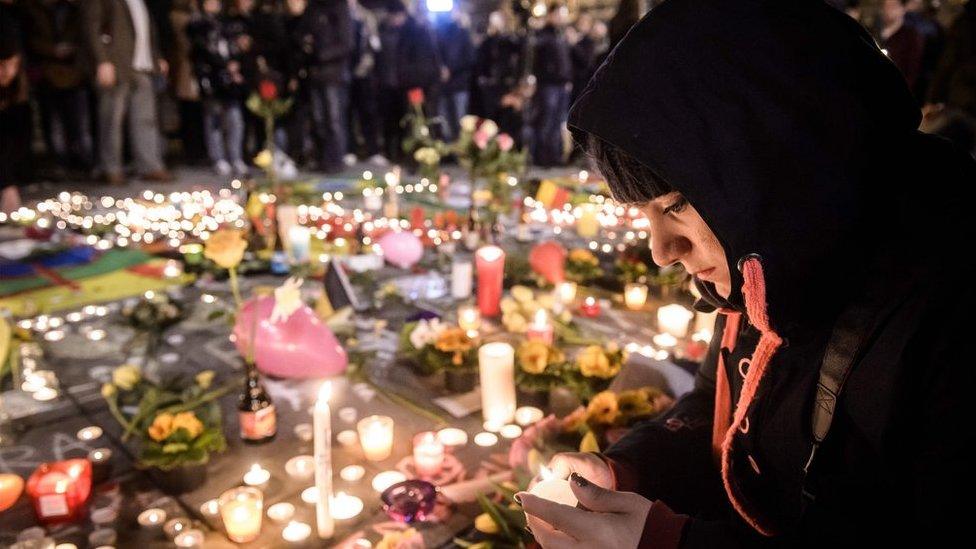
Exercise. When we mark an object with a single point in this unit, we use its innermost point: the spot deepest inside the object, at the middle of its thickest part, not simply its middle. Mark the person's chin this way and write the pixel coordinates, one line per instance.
(724, 289)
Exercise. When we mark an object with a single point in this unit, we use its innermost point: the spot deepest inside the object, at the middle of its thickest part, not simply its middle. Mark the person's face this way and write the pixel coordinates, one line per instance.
(9, 69)
(245, 6)
(680, 235)
(296, 7)
(211, 7)
(892, 11)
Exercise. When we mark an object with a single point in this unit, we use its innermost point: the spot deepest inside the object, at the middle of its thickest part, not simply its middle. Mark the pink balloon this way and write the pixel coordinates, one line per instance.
(401, 248)
(548, 259)
(300, 347)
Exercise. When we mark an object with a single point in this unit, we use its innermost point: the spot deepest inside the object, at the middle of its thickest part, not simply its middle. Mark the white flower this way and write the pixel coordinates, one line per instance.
(489, 127)
(288, 299)
(426, 332)
(469, 122)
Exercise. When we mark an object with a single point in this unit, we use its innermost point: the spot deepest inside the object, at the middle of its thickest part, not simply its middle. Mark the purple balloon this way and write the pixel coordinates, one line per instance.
(401, 248)
(300, 347)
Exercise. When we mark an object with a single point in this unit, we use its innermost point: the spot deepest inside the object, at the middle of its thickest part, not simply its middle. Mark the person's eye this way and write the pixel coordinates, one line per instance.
(677, 206)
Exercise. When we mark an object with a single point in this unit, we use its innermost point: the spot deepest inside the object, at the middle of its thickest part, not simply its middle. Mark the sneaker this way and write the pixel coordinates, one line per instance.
(222, 167)
(378, 160)
(349, 160)
(114, 178)
(241, 168)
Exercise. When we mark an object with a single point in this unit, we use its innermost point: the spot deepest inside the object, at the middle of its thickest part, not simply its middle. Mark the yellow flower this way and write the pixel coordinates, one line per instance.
(509, 305)
(635, 403)
(225, 248)
(522, 294)
(126, 376)
(426, 155)
(603, 408)
(514, 322)
(580, 255)
(546, 301)
(263, 159)
(533, 356)
(455, 341)
(394, 540)
(485, 524)
(108, 390)
(162, 427)
(593, 362)
(188, 421)
(469, 123)
(204, 379)
(589, 443)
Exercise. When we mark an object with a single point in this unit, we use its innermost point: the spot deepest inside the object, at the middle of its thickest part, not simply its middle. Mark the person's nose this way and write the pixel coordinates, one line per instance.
(668, 248)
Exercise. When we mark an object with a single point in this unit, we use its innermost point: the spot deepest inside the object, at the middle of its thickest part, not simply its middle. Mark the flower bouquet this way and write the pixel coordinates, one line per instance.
(543, 368)
(631, 269)
(151, 315)
(521, 306)
(490, 155)
(419, 142)
(582, 266)
(267, 104)
(436, 347)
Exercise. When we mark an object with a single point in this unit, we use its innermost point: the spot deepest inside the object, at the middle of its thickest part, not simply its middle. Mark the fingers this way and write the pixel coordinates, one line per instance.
(564, 518)
(599, 499)
(550, 538)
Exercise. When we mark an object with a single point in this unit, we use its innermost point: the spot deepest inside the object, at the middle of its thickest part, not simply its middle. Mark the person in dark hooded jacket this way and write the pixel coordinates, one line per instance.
(773, 148)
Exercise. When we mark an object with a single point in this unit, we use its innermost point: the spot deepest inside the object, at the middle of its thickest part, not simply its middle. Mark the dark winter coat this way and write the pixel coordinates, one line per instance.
(954, 82)
(213, 50)
(409, 56)
(326, 27)
(795, 139)
(458, 55)
(552, 63)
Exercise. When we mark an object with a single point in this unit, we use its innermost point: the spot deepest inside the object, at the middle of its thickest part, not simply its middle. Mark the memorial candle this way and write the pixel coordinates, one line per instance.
(376, 437)
(491, 266)
(60, 489)
(469, 319)
(428, 454)
(590, 307)
(242, 510)
(540, 329)
(299, 241)
(496, 363)
(673, 319)
(461, 278)
(322, 424)
(635, 295)
(566, 292)
(553, 488)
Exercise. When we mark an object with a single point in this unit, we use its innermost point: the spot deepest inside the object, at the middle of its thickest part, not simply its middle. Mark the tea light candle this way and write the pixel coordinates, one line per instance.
(152, 519)
(348, 414)
(299, 239)
(590, 307)
(511, 431)
(384, 480)
(462, 274)
(347, 438)
(304, 432)
(345, 506)
(257, 476)
(189, 538)
(452, 437)
(554, 489)
(210, 508)
(174, 526)
(540, 329)
(469, 319)
(428, 454)
(497, 372)
(101, 464)
(486, 439)
(376, 437)
(673, 319)
(527, 415)
(89, 433)
(635, 296)
(491, 265)
(172, 268)
(65, 545)
(45, 394)
(665, 340)
(352, 473)
(296, 532)
(322, 417)
(310, 495)
(241, 510)
(281, 512)
(300, 467)
(566, 292)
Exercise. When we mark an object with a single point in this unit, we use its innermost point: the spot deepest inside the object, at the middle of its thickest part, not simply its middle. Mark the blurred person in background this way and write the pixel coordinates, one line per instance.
(627, 15)
(60, 86)
(904, 45)
(499, 63)
(120, 37)
(458, 57)
(15, 115)
(951, 106)
(184, 85)
(553, 70)
(918, 16)
(295, 73)
(364, 119)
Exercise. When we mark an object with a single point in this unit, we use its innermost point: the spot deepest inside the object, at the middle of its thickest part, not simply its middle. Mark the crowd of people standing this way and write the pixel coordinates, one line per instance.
(117, 83)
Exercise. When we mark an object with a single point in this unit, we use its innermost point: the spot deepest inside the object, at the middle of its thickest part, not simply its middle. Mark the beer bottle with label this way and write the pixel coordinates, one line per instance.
(256, 412)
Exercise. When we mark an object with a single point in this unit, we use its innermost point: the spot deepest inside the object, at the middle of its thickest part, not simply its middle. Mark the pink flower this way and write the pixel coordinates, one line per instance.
(505, 142)
(480, 139)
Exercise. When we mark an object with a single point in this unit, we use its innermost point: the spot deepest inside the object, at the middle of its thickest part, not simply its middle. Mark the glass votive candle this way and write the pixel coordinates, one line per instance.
(409, 501)
(101, 460)
(376, 437)
(174, 526)
(189, 538)
(635, 295)
(469, 319)
(566, 292)
(242, 510)
(428, 454)
(152, 519)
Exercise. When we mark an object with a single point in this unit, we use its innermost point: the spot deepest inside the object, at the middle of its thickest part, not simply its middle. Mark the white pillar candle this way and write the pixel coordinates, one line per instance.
(496, 362)
(554, 489)
(428, 454)
(299, 243)
(673, 319)
(376, 437)
(462, 273)
(635, 295)
(322, 424)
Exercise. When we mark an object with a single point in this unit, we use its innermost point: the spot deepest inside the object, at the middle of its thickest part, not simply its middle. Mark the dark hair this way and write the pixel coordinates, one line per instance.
(631, 181)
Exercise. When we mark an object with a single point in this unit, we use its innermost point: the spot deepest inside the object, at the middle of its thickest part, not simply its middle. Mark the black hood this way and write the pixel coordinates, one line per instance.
(775, 119)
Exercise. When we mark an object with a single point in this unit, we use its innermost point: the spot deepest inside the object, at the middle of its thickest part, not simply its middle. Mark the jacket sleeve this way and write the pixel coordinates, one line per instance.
(92, 16)
(340, 43)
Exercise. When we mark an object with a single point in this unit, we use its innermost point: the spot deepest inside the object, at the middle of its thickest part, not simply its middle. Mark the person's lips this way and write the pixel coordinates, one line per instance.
(704, 273)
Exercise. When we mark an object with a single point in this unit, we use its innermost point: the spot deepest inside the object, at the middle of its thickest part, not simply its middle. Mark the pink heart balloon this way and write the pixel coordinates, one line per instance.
(548, 259)
(401, 248)
(300, 347)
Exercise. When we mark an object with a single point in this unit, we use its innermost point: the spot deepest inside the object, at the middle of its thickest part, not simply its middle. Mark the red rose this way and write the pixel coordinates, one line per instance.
(268, 90)
(416, 96)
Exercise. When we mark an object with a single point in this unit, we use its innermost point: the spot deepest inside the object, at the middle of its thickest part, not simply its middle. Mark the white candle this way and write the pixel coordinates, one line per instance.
(352, 473)
(152, 519)
(527, 415)
(296, 531)
(281, 512)
(511, 431)
(469, 319)
(497, 371)
(347, 438)
(673, 319)
(89, 433)
(566, 292)
(428, 454)
(300, 467)
(257, 476)
(452, 437)
(189, 538)
(346, 506)
(486, 439)
(553, 488)
(210, 508)
(462, 273)
(299, 240)
(241, 511)
(635, 295)
(664, 340)
(384, 480)
(540, 329)
(376, 437)
(322, 423)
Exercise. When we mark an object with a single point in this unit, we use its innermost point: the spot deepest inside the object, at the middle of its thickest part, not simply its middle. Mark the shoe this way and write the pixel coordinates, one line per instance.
(158, 176)
(222, 167)
(114, 178)
(378, 160)
(349, 160)
(241, 168)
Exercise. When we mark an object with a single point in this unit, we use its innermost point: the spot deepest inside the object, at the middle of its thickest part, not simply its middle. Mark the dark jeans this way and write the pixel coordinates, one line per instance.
(329, 103)
(453, 105)
(365, 115)
(393, 107)
(66, 120)
(551, 102)
(191, 132)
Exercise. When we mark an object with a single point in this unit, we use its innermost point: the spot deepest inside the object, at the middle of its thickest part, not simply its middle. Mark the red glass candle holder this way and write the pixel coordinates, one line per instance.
(60, 489)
